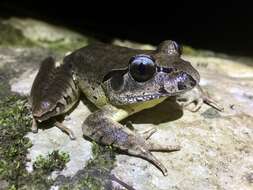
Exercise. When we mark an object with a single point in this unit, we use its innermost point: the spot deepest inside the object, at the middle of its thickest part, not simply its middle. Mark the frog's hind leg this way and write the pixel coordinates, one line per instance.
(102, 128)
(65, 129)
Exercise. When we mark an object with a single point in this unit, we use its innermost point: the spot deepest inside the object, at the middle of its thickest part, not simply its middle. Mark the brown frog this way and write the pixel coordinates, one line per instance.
(119, 81)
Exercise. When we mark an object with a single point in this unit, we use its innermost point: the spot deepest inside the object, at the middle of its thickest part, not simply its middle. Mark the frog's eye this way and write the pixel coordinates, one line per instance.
(142, 67)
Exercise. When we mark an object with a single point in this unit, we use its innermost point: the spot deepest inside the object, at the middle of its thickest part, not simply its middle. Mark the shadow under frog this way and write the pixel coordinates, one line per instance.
(120, 82)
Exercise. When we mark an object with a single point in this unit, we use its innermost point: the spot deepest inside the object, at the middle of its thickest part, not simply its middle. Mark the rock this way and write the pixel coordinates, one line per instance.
(34, 33)
(216, 146)
(17, 62)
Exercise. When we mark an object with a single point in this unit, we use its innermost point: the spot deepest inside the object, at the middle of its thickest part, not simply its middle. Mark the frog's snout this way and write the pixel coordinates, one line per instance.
(180, 82)
(37, 116)
(39, 110)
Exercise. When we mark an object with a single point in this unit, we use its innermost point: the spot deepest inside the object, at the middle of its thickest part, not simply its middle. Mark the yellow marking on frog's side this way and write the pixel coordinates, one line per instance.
(122, 112)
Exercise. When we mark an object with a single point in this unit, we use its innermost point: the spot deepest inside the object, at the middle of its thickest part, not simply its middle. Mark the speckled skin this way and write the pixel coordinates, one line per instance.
(101, 73)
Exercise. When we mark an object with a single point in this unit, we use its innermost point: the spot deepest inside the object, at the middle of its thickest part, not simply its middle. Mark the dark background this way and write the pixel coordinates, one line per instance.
(225, 28)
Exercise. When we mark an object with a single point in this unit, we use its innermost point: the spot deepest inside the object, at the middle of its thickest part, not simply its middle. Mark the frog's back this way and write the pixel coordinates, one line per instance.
(94, 61)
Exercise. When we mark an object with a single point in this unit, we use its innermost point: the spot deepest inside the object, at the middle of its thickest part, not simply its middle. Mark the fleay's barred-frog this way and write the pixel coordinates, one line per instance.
(120, 82)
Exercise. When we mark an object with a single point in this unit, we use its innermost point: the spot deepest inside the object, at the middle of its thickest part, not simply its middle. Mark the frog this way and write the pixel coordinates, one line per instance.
(120, 82)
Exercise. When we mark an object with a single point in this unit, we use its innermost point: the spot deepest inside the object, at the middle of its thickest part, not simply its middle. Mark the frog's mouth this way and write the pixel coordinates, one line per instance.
(137, 99)
(40, 117)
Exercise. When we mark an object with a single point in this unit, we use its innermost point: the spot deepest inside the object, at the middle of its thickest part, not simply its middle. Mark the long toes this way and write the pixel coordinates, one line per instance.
(148, 133)
(213, 103)
(194, 108)
(66, 130)
(72, 136)
(150, 157)
(144, 152)
(161, 148)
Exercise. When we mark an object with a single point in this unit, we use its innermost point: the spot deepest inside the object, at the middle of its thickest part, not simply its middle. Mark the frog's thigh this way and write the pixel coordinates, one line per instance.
(108, 117)
(102, 126)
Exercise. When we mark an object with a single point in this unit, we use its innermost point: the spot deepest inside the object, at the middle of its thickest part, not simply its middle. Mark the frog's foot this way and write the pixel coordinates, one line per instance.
(145, 134)
(194, 99)
(190, 104)
(156, 147)
(34, 126)
(160, 148)
(105, 130)
(211, 102)
(65, 129)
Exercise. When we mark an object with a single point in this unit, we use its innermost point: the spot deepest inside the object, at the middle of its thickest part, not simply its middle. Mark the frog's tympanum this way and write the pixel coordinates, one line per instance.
(120, 82)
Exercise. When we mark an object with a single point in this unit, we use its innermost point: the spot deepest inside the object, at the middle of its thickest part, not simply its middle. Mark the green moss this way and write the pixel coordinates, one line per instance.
(91, 183)
(43, 167)
(10, 36)
(103, 157)
(15, 122)
(54, 161)
(96, 174)
(99, 168)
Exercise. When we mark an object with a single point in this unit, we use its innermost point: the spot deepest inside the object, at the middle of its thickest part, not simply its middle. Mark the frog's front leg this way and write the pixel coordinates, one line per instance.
(102, 127)
(194, 99)
(53, 93)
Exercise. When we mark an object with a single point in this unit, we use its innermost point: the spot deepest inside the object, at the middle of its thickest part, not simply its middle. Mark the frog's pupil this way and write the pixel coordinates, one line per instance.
(142, 68)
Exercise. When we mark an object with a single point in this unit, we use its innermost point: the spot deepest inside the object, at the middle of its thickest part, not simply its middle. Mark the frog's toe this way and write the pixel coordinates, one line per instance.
(34, 130)
(143, 152)
(66, 130)
(34, 126)
(211, 102)
(144, 134)
(163, 148)
(72, 136)
(148, 133)
(195, 105)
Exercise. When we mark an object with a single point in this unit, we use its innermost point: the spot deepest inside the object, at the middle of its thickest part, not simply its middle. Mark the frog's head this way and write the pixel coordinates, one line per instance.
(150, 76)
(43, 110)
